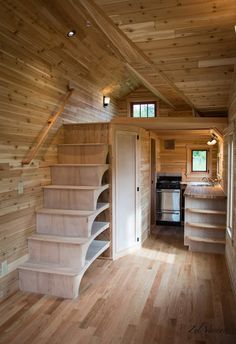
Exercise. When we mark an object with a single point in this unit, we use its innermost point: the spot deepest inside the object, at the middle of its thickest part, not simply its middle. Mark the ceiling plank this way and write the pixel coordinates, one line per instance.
(132, 56)
(217, 62)
(149, 86)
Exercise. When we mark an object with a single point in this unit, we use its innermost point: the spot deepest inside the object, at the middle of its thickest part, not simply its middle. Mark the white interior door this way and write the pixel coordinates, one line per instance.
(126, 188)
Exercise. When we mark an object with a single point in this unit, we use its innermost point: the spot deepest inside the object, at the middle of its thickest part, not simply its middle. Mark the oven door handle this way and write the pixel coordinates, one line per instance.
(168, 190)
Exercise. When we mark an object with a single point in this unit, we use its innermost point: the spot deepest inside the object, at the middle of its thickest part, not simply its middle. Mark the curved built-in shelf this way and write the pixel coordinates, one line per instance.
(206, 211)
(96, 248)
(205, 225)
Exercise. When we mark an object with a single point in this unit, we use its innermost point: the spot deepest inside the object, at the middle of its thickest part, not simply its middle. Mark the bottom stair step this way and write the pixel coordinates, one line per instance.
(57, 280)
(208, 245)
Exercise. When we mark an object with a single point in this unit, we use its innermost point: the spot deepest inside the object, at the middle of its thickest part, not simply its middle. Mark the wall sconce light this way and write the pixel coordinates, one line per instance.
(212, 141)
(106, 101)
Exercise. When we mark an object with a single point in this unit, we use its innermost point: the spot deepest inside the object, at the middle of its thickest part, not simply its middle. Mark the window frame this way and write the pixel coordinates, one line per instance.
(207, 160)
(143, 103)
(192, 174)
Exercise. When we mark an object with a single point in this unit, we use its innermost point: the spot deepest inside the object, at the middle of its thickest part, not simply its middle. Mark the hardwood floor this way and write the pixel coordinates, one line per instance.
(160, 294)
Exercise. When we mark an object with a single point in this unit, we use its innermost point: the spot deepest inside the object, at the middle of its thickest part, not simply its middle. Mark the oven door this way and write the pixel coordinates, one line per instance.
(168, 216)
(168, 200)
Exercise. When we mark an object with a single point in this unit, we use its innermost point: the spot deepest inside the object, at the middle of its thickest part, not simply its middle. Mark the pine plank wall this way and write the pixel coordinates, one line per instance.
(32, 83)
(37, 63)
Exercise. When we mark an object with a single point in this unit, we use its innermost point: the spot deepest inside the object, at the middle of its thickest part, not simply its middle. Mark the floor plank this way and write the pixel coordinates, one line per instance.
(161, 294)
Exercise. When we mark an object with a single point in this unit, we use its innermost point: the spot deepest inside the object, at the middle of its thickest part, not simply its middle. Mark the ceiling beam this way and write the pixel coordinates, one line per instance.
(174, 123)
(133, 56)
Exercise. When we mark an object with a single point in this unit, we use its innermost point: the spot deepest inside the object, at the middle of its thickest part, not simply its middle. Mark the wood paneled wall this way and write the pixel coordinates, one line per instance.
(176, 160)
(143, 94)
(37, 62)
(145, 181)
(231, 242)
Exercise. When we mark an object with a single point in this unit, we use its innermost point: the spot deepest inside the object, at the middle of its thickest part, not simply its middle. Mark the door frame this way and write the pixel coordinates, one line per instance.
(131, 131)
(153, 182)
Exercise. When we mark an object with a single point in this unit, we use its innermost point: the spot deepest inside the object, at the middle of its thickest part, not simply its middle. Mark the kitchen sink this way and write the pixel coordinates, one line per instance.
(201, 184)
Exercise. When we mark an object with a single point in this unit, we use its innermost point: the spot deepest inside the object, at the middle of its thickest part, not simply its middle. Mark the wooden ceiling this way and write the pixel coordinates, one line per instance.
(192, 42)
(35, 31)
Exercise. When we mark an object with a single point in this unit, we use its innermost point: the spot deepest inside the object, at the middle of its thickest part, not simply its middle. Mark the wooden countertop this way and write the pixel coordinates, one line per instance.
(205, 192)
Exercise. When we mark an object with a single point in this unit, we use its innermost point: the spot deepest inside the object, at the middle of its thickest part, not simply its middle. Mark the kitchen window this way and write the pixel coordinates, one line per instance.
(199, 160)
(143, 110)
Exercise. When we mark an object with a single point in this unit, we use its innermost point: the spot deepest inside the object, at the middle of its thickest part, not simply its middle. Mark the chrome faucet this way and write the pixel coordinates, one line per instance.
(211, 181)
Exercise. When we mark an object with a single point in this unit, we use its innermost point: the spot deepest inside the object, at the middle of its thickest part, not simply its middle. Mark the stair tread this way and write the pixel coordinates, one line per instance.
(80, 165)
(51, 211)
(83, 144)
(206, 211)
(98, 228)
(208, 225)
(96, 248)
(207, 240)
(48, 268)
(76, 187)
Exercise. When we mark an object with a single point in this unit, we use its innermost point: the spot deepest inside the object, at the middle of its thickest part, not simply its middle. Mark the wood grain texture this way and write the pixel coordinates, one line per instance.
(142, 94)
(37, 62)
(205, 222)
(176, 160)
(162, 293)
(180, 38)
(208, 192)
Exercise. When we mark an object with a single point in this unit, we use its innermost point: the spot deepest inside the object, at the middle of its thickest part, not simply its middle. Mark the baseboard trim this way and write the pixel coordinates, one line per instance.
(14, 265)
(128, 251)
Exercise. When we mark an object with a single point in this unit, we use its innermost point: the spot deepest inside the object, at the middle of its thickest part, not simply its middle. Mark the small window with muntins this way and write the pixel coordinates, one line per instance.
(143, 110)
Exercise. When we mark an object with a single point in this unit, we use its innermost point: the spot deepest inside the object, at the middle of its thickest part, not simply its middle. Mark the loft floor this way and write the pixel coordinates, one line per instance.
(161, 294)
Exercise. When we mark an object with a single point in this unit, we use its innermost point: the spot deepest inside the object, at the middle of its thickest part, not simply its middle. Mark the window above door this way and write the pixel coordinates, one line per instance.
(143, 109)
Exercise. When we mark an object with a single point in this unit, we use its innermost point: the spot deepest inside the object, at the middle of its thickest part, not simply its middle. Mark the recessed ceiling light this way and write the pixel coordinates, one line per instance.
(71, 33)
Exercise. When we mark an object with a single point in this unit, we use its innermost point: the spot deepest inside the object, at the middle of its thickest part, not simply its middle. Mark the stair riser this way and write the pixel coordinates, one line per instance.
(206, 247)
(82, 176)
(50, 284)
(69, 255)
(219, 220)
(70, 199)
(64, 225)
(205, 233)
(82, 154)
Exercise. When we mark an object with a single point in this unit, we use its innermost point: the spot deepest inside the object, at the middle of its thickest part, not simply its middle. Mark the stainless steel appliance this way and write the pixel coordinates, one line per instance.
(168, 200)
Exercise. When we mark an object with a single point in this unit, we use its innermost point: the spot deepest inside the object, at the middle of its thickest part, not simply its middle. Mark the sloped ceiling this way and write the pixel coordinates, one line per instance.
(35, 31)
(193, 42)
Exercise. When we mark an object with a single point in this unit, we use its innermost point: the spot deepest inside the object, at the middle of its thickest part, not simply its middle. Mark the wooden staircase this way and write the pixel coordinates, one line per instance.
(71, 225)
